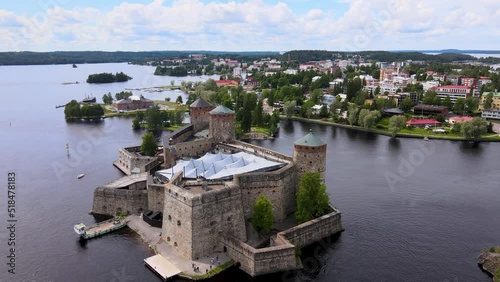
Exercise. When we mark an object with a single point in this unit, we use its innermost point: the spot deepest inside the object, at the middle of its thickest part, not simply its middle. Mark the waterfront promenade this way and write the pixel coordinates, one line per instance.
(151, 236)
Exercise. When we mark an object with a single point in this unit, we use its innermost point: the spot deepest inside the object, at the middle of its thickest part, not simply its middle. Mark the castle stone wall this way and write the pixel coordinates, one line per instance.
(260, 261)
(182, 134)
(130, 158)
(177, 220)
(314, 230)
(109, 201)
(156, 195)
(278, 186)
(194, 148)
(257, 149)
(192, 222)
(217, 212)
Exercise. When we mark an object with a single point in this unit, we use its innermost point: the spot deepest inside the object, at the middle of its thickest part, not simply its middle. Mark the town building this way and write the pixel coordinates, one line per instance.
(424, 122)
(430, 110)
(495, 104)
(227, 82)
(454, 92)
(490, 114)
(458, 119)
(133, 103)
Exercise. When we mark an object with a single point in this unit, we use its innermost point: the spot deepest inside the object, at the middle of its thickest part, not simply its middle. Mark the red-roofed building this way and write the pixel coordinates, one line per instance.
(454, 91)
(459, 119)
(423, 122)
(228, 82)
(469, 81)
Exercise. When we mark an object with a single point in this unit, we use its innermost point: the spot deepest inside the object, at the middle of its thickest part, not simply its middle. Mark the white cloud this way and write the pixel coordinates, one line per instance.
(254, 25)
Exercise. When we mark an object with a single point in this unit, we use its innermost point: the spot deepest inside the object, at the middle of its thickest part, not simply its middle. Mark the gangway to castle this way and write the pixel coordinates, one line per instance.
(162, 267)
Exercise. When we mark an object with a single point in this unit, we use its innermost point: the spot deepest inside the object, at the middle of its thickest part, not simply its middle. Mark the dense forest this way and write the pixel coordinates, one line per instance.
(171, 71)
(90, 57)
(108, 77)
(381, 56)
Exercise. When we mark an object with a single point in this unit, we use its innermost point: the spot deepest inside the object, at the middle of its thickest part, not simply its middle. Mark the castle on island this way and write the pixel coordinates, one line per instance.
(208, 187)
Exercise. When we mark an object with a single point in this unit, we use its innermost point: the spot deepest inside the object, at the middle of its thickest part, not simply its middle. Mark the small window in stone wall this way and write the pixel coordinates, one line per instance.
(168, 239)
(229, 218)
(175, 244)
(178, 223)
(169, 217)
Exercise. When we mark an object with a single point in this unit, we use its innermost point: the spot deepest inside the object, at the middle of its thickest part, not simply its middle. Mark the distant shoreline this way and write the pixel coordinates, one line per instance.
(383, 132)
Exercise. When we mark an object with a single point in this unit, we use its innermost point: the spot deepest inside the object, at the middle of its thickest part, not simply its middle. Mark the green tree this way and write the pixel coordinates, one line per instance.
(136, 124)
(107, 99)
(289, 108)
(489, 101)
(447, 102)
(153, 118)
(262, 219)
(149, 145)
(361, 116)
(258, 114)
(470, 105)
(473, 129)
(323, 112)
(396, 123)
(246, 121)
(429, 97)
(371, 119)
(312, 199)
(72, 110)
(179, 99)
(353, 114)
(459, 107)
(406, 105)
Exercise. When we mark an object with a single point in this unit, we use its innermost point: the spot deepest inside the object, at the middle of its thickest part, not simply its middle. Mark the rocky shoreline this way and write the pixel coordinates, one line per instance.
(490, 263)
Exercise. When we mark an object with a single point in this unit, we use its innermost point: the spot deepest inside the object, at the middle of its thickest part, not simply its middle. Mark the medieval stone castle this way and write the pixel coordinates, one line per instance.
(206, 208)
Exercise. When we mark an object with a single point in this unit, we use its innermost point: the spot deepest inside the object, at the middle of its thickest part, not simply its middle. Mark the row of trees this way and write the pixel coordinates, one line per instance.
(108, 98)
(106, 77)
(155, 120)
(73, 111)
(171, 71)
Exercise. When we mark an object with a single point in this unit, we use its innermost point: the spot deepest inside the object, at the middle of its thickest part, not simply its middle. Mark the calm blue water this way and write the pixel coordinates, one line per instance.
(411, 213)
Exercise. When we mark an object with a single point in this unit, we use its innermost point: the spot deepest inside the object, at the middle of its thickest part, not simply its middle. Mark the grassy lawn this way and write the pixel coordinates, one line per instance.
(260, 130)
(216, 270)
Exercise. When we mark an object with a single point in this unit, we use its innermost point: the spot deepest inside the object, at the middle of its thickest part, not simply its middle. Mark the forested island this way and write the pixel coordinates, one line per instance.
(171, 71)
(106, 77)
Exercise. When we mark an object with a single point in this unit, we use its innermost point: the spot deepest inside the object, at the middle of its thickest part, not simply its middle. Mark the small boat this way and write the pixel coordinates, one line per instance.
(80, 175)
(98, 229)
(74, 66)
(426, 138)
(60, 106)
(89, 99)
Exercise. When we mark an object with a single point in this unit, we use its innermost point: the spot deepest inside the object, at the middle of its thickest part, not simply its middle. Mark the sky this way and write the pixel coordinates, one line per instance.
(249, 25)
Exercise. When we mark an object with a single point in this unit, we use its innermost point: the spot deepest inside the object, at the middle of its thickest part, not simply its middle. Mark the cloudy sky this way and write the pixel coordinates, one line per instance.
(238, 25)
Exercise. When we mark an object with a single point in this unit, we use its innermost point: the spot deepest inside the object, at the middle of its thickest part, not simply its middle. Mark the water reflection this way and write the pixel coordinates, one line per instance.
(394, 144)
(287, 126)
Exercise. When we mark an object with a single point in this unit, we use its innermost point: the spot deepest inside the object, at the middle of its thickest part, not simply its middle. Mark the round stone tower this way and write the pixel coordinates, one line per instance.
(199, 113)
(309, 155)
(222, 124)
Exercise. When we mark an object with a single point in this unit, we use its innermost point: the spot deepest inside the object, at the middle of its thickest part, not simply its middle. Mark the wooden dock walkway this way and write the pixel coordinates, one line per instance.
(162, 267)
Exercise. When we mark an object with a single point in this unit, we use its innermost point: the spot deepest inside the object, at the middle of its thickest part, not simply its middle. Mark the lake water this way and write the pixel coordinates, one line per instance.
(412, 210)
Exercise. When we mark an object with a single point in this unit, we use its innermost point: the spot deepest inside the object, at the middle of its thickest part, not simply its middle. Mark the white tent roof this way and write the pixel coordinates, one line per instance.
(219, 166)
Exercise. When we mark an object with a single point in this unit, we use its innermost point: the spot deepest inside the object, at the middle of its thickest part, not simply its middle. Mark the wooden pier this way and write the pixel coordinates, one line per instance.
(162, 267)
